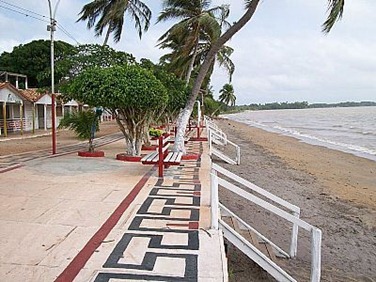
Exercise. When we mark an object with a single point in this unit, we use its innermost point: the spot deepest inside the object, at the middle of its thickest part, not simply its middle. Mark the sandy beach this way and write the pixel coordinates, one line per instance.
(336, 192)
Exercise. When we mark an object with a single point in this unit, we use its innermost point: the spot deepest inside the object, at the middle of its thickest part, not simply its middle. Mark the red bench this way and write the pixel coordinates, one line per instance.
(162, 156)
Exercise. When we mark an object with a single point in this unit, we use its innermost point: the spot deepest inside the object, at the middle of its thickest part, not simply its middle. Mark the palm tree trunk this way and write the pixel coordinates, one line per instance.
(191, 64)
(107, 35)
(213, 113)
(186, 112)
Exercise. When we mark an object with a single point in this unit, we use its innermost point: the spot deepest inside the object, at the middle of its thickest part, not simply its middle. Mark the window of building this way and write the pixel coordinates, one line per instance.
(7, 111)
(16, 111)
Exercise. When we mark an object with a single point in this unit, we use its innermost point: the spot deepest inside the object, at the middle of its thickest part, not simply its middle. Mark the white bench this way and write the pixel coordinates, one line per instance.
(162, 156)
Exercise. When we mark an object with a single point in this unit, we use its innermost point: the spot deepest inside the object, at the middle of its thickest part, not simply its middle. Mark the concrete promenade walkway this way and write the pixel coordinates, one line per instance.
(9, 162)
(97, 219)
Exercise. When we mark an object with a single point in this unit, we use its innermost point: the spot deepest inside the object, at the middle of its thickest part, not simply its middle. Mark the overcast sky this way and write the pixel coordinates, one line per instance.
(281, 55)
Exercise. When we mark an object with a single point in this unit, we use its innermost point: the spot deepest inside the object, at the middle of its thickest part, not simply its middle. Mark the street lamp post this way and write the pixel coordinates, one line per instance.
(51, 28)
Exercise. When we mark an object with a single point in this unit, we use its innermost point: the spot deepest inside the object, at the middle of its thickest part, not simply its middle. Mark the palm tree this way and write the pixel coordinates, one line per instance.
(197, 22)
(110, 14)
(178, 61)
(335, 13)
(227, 95)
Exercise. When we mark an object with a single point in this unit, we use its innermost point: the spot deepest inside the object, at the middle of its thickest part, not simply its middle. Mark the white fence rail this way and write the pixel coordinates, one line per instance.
(217, 136)
(212, 135)
(220, 137)
(292, 215)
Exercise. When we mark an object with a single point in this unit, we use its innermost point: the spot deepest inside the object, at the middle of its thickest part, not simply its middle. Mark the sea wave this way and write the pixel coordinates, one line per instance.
(337, 144)
(355, 135)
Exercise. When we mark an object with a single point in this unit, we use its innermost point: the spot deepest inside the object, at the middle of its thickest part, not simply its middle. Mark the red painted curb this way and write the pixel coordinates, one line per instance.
(126, 158)
(149, 148)
(96, 154)
(72, 270)
(193, 157)
(198, 139)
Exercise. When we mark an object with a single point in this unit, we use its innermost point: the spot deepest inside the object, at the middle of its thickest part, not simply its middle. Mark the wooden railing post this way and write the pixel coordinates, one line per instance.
(316, 254)
(214, 199)
(294, 237)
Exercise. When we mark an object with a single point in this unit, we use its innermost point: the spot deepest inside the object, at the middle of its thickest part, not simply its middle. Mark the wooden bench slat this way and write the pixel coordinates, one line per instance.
(165, 148)
(177, 157)
(180, 155)
(155, 159)
(150, 157)
(167, 158)
(173, 157)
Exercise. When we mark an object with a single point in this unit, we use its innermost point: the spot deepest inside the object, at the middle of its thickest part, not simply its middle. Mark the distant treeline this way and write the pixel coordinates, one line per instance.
(298, 105)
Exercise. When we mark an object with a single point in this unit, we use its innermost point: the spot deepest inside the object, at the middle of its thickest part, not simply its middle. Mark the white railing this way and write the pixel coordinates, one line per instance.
(217, 136)
(292, 215)
(221, 137)
(212, 135)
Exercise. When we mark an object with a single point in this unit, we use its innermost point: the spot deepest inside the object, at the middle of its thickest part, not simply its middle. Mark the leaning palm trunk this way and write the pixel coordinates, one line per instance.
(186, 112)
(213, 113)
(191, 64)
(107, 35)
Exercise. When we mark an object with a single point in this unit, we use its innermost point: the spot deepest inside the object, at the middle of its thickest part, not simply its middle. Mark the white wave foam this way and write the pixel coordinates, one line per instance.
(324, 141)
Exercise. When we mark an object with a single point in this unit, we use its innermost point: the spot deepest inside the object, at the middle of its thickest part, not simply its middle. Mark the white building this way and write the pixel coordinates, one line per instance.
(28, 110)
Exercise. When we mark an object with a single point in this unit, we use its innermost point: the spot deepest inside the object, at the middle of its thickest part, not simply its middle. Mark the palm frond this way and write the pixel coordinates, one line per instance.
(335, 8)
(102, 14)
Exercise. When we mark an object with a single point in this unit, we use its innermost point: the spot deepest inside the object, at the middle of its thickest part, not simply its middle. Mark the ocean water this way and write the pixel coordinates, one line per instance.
(351, 130)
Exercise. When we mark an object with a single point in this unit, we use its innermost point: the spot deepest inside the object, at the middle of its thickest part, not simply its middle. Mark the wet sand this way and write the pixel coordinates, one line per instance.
(336, 192)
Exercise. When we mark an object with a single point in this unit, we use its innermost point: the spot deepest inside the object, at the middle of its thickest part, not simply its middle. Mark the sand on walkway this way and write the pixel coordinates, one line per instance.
(336, 192)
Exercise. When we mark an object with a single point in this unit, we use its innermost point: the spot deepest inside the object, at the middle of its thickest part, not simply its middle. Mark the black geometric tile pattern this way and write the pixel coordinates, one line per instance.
(155, 222)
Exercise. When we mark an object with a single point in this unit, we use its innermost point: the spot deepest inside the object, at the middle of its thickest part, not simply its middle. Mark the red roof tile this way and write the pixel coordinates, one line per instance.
(31, 94)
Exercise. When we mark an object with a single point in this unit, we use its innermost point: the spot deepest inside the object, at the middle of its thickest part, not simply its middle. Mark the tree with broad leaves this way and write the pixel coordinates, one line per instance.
(178, 91)
(177, 94)
(94, 55)
(33, 60)
(335, 8)
(132, 94)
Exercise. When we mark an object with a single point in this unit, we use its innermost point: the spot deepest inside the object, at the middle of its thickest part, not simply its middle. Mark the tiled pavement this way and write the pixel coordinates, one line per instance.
(110, 221)
(12, 161)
